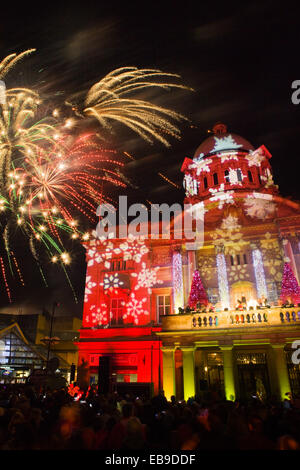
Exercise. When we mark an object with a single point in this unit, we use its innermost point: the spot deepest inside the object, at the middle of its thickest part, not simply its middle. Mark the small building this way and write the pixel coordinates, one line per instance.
(22, 348)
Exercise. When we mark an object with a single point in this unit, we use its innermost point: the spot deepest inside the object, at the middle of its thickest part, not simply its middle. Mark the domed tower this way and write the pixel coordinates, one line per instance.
(226, 162)
(245, 219)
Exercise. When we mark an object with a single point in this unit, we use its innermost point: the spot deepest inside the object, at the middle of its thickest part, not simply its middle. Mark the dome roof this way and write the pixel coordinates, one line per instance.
(222, 141)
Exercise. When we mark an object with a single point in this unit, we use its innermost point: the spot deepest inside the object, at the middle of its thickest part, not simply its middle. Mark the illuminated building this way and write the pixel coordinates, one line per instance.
(240, 343)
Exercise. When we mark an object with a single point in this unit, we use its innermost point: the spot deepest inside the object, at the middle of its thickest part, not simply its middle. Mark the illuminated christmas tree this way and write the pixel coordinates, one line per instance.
(197, 294)
(290, 290)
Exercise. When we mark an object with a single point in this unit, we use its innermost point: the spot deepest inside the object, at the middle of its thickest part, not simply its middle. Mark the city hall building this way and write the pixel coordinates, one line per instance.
(222, 315)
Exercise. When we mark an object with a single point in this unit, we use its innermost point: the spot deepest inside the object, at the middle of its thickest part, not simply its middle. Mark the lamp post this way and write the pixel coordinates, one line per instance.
(49, 340)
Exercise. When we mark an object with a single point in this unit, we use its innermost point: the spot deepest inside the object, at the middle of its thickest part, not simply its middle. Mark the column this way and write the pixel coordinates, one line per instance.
(178, 297)
(188, 372)
(229, 382)
(281, 370)
(168, 372)
(261, 286)
(222, 277)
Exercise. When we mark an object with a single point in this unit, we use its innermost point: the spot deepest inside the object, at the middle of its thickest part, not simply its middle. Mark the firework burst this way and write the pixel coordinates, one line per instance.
(51, 179)
(110, 100)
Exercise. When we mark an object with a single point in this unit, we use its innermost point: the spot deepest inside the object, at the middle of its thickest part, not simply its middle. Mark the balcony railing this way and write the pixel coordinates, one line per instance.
(232, 319)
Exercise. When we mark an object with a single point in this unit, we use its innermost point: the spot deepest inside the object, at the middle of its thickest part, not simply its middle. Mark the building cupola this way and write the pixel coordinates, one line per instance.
(226, 162)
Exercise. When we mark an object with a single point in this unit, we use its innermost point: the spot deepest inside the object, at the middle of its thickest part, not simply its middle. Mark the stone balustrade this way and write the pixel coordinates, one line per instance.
(232, 319)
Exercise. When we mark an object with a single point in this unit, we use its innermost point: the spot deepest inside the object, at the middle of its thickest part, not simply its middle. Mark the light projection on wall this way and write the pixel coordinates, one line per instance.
(146, 277)
(134, 309)
(177, 281)
(259, 273)
(222, 281)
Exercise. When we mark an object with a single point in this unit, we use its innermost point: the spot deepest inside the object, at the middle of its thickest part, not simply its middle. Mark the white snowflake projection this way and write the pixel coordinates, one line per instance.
(227, 156)
(230, 223)
(255, 158)
(135, 308)
(199, 157)
(190, 185)
(225, 143)
(98, 316)
(146, 278)
(202, 165)
(224, 197)
(133, 248)
(89, 285)
(97, 256)
(234, 176)
(259, 207)
(111, 282)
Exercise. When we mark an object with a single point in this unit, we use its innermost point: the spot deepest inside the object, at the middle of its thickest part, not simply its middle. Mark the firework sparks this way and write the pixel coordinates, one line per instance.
(109, 100)
(51, 175)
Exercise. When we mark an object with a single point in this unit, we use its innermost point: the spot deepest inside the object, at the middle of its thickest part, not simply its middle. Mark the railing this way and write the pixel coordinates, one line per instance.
(232, 319)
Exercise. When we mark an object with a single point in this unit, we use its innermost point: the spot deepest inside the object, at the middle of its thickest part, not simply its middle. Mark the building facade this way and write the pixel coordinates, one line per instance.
(221, 314)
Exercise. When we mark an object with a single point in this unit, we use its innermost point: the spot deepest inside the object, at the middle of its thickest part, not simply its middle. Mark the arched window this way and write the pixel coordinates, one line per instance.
(239, 175)
(226, 173)
(250, 177)
(205, 182)
(238, 259)
(231, 260)
(215, 177)
(245, 259)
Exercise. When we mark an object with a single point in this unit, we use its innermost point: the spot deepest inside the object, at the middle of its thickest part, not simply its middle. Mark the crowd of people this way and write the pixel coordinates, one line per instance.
(33, 419)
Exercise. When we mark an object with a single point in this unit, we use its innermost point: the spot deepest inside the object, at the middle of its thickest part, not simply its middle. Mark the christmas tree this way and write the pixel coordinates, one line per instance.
(197, 294)
(290, 290)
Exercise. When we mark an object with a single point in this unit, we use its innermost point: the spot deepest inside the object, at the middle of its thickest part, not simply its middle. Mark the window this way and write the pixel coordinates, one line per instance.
(239, 175)
(238, 259)
(215, 177)
(250, 177)
(245, 259)
(163, 305)
(118, 265)
(116, 308)
(205, 182)
(231, 260)
(227, 179)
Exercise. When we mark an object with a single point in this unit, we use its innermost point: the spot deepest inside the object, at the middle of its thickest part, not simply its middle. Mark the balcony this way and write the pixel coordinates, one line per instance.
(274, 316)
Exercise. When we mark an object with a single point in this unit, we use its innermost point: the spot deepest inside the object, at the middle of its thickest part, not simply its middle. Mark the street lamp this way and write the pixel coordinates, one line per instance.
(49, 339)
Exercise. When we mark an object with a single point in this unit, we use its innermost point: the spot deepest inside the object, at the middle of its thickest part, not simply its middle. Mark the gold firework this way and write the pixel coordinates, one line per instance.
(108, 100)
(11, 60)
(20, 135)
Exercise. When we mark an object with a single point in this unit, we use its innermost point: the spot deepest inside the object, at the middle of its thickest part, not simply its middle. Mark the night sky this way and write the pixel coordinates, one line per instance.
(241, 62)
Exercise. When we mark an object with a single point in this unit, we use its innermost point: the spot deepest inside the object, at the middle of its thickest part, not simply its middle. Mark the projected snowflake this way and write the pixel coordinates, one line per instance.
(225, 143)
(99, 316)
(134, 248)
(89, 285)
(202, 165)
(146, 278)
(135, 308)
(111, 282)
(258, 207)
